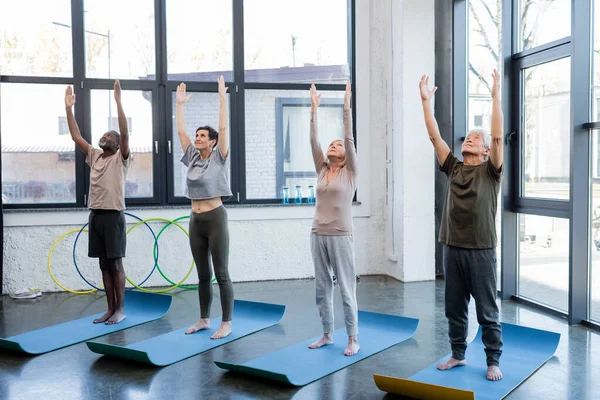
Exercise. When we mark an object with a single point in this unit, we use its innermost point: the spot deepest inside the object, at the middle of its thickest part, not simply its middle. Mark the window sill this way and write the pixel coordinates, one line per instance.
(236, 212)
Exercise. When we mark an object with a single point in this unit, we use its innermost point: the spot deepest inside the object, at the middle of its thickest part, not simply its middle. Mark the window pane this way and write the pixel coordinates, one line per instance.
(138, 109)
(277, 139)
(485, 53)
(201, 109)
(119, 44)
(298, 44)
(38, 160)
(546, 132)
(199, 40)
(34, 39)
(543, 21)
(595, 175)
(544, 260)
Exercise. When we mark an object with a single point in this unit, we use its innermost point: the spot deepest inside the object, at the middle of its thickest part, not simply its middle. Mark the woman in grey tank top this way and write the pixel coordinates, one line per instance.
(207, 162)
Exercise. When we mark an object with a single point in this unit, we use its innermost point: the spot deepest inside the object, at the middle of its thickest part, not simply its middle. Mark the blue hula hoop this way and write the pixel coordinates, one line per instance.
(102, 290)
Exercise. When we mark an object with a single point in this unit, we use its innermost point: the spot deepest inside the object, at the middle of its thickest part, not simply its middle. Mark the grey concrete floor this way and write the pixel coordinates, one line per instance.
(77, 373)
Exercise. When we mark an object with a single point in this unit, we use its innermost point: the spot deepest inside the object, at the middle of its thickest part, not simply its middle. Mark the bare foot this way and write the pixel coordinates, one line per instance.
(223, 331)
(117, 317)
(352, 347)
(203, 324)
(494, 373)
(451, 363)
(103, 318)
(325, 340)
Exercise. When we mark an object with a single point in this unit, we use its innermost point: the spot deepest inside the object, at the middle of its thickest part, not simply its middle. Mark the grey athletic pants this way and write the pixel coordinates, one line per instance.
(334, 255)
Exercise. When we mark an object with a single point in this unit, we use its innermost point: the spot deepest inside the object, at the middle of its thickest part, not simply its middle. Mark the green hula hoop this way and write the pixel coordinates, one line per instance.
(175, 285)
(186, 287)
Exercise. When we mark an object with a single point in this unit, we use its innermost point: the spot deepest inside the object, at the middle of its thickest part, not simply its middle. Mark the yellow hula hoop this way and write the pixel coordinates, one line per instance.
(61, 237)
(184, 278)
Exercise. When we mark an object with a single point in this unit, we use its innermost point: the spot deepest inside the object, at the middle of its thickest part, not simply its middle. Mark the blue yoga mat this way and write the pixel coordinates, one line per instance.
(524, 351)
(298, 365)
(248, 317)
(139, 307)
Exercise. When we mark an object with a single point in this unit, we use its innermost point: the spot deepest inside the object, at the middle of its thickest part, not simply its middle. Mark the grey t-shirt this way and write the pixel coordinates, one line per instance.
(207, 178)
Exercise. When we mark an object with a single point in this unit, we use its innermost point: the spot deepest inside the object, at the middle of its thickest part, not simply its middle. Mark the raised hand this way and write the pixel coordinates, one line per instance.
(496, 84)
(222, 87)
(315, 97)
(117, 90)
(426, 93)
(182, 97)
(69, 97)
(347, 96)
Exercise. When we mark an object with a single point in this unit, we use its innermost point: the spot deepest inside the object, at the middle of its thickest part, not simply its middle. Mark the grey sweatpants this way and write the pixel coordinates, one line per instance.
(335, 255)
(472, 272)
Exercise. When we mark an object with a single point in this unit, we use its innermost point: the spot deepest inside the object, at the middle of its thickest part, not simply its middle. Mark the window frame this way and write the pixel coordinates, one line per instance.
(161, 86)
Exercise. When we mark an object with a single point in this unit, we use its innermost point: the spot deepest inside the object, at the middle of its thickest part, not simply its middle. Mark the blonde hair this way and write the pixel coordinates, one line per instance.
(343, 163)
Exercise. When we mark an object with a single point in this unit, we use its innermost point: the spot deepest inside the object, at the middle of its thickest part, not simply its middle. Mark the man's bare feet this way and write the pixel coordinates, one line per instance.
(451, 363)
(117, 317)
(325, 340)
(223, 331)
(494, 373)
(352, 347)
(104, 318)
(203, 324)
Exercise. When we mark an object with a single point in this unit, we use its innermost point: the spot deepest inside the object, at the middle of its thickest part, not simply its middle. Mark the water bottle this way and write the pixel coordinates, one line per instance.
(311, 194)
(285, 195)
(298, 199)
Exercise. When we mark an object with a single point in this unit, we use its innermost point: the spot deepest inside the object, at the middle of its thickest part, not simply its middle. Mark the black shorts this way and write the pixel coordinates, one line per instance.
(107, 232)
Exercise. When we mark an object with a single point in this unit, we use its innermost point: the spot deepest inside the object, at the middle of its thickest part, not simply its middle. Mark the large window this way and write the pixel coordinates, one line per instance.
(119, 44)
(543, 21)
(546, 130)
(200, 39)
(38, 163)
(151, 46)
(594, 286)
(544, 260)
(295, 43)
(31, 43)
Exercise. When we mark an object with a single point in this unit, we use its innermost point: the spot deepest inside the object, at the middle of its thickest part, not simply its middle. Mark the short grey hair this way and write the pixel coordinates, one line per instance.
(487, 138)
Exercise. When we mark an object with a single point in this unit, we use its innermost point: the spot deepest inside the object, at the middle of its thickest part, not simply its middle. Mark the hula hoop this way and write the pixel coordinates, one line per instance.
(186, 287)
(50, 267)
(174, 285)
(100, 288)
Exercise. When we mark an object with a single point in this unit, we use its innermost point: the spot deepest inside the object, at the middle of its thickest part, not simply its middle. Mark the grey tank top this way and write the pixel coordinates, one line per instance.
(207, 178)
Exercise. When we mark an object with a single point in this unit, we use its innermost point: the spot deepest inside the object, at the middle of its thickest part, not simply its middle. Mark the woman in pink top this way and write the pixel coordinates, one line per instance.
(332, 243)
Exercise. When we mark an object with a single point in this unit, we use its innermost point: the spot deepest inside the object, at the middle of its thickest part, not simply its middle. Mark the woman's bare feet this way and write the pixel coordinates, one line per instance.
(104, 318)
(223, 331)
(203, 324)
(451, 363)
(352, 347)
(325, 340)
(494, 373)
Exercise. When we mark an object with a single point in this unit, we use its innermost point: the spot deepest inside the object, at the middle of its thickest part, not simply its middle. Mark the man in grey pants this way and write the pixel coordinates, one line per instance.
(468, 230)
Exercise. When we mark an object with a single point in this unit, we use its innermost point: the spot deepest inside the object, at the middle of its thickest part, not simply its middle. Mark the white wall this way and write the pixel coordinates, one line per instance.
(273, 242)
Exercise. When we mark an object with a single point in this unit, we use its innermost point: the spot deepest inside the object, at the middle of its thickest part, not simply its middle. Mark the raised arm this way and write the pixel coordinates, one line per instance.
(73, 128)
(497, 147)
(180, 99)
(123, 128)
(441, 147)
(223, 142)
(351, 159)
(317, 151)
